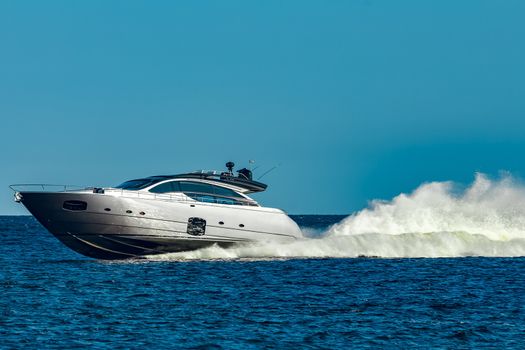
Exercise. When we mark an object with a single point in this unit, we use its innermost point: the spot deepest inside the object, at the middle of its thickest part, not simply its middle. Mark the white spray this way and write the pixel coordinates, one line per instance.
(436, 220)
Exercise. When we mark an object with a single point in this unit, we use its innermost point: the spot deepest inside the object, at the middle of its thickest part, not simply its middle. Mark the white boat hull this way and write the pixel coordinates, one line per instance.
(113, 226)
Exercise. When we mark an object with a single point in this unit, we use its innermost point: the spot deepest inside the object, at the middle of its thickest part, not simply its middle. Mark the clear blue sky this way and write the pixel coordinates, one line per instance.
(356, 99)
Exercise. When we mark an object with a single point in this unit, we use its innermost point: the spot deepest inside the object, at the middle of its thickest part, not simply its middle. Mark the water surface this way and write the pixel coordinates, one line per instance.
(54, 298)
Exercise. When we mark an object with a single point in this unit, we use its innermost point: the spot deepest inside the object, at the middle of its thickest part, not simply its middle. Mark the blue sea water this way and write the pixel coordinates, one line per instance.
(51, 297)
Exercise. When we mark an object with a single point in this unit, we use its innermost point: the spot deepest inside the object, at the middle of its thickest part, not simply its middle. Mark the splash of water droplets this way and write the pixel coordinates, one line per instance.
(436, 220)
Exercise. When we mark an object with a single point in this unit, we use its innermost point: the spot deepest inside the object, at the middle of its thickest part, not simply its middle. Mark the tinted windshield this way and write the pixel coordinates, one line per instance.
(135, 184)
(221, 191)
(195, 187)
(166, 187)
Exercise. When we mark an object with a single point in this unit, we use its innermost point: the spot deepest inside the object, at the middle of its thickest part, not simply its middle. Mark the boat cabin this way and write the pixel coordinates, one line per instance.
(210, 186)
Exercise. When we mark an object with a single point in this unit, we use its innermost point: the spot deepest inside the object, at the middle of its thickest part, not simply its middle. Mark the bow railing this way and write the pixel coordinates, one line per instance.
(47, 188)
(176, 196)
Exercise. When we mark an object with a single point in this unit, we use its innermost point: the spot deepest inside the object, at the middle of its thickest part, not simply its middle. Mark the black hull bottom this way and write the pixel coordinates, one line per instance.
(112, 247)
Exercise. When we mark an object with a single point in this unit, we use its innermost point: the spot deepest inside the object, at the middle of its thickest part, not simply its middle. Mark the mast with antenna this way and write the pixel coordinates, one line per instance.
(268, 171)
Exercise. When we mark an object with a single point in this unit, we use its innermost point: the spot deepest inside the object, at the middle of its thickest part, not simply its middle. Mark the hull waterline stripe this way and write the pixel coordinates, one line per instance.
(130, 245)
(185, 222)
(98, 247)
(167, 230)
(223, 238)
(173, 238)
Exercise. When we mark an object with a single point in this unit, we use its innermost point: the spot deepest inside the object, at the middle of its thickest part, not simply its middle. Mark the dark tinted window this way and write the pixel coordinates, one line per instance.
(74, 205)
(135, 184)
(195, 187)
(166, 187)
(229, 201)
(221, 191)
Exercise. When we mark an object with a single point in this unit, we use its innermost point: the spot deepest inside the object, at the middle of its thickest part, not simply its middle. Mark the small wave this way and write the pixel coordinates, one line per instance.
(409, 245)
(436, 220)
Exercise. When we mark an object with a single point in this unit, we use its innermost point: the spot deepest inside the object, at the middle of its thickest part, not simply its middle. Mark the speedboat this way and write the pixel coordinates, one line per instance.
(158, 214)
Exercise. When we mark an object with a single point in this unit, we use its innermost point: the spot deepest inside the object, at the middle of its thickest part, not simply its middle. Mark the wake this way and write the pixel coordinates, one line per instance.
(438, 219)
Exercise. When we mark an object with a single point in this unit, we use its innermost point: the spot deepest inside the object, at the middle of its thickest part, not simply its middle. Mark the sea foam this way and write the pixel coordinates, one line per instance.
(438, 219)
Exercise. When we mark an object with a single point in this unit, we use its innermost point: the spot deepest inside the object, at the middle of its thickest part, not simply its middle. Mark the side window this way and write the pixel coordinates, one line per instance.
(166, 187)
(195, 187)
(210, 194)
(221, 191)
(175, 186)
(229, 201)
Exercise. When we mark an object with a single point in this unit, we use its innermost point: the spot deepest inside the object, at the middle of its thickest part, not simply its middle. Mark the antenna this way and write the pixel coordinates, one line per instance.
(268, 171)
(251, 162)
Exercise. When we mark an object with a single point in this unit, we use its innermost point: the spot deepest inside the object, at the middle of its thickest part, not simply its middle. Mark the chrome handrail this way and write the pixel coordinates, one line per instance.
(46, 188)
(175, 196)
